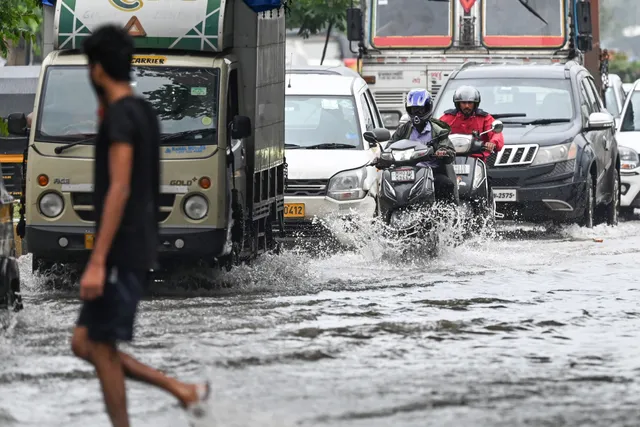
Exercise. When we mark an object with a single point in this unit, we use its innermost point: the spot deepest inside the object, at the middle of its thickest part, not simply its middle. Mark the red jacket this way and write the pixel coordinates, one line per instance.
(480, 121)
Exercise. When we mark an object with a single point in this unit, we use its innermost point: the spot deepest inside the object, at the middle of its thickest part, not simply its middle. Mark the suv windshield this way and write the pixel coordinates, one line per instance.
(534, 99)
(185, 100)
(312, 121)
(631, 120)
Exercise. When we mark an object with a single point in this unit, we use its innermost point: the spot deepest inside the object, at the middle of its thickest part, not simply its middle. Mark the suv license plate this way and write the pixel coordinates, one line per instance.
(403, 176)
(505, 195)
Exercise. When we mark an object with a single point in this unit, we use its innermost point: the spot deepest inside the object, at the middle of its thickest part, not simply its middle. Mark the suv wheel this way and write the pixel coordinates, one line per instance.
(588, 218)
(613, 208)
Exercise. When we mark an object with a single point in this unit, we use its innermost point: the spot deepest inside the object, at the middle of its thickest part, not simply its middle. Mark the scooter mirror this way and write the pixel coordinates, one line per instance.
(497, 126)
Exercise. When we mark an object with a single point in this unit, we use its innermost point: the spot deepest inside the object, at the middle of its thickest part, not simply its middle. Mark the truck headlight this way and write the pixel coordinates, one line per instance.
(629, 158)
(555, 154)
(196, 207)
(348, 185)
(51, 205)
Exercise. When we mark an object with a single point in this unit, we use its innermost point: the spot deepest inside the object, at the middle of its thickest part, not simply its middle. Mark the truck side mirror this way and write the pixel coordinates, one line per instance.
(354, 24)
(240, 127)
(583, 17)
(17, 124)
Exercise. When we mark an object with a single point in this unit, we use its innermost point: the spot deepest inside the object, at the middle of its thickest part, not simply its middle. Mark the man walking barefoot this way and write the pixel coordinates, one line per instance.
(127, 182)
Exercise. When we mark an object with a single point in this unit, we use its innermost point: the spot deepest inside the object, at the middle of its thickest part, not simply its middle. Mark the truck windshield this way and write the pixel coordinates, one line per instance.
(412, 23)
(321, 122)
(185, 100)
(631, 120)
(534, 99)
(523, 23)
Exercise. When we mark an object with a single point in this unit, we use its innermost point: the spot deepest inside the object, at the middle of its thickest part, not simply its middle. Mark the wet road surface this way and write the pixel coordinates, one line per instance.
(536, 330)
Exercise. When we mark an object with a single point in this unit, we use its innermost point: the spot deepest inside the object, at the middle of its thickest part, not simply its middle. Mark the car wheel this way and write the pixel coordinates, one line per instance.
(588, 218)
(613, 208)
(627, 212)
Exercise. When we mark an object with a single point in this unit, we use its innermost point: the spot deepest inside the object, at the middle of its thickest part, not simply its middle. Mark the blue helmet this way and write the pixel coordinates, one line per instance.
(419, 106)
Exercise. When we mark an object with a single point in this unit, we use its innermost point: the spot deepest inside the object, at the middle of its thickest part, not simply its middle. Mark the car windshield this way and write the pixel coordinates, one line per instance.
(185, 100)
(611, 103)
(533, 99)
(321, 120)
(631, 120)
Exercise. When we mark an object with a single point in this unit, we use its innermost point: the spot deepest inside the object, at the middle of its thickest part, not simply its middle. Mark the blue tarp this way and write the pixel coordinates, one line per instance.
(263, 5)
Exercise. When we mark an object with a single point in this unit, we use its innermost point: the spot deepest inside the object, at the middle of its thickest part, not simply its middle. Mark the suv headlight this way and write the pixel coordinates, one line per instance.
(629, 158)
(51, 205)
(555, 154)
(196, 207)
(348, 185)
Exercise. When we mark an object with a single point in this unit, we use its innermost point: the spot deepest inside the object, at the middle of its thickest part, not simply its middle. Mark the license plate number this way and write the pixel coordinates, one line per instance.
(403, 176)
(89, 240)
(505, 195)
(462, 169)
(294, 210)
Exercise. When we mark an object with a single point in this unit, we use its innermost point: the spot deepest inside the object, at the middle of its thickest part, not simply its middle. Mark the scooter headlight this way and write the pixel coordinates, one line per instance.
(478, 176)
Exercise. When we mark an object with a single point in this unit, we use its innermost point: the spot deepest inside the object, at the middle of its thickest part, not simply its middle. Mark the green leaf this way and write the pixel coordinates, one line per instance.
(18, 19)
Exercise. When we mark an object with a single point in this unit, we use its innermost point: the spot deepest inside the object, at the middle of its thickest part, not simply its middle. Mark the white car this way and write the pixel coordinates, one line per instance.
(628, 136)
(327, 111)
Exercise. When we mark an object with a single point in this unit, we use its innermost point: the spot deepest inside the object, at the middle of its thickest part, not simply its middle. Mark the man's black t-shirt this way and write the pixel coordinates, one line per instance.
(131, 120)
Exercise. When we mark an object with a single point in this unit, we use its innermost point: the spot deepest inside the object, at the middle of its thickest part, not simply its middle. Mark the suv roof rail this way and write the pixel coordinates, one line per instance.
(325, 70)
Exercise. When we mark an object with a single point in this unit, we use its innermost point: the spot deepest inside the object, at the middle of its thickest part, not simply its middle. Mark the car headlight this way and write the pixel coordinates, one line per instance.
(51, 205)
(196, 207)
(555, 154)
(629, 158)
(348, 185)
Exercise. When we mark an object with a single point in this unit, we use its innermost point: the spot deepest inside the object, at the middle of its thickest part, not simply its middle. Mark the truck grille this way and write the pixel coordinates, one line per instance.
(83, 206)
(306, 187)
(389, 98)
(514, 155)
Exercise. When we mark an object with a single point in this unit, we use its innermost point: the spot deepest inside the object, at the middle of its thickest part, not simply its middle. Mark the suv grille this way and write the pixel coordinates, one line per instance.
(306, 187)
(514, 155)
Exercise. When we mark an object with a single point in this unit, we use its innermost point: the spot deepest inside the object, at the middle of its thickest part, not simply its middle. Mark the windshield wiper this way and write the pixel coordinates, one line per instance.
(186, 133)
(331, 145)
(59, 150)
(292, 146)
(542, 121)
(508, 115)
(525, 3)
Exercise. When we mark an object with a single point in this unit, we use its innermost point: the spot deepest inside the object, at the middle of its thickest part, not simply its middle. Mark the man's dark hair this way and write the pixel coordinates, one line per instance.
(112, 47)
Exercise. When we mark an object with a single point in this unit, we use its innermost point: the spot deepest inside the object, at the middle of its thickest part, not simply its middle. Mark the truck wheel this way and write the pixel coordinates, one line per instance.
(613, 208)
(589, 204)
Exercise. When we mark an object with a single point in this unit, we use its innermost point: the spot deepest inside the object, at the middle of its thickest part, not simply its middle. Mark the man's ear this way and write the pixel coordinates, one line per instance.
(97, 73)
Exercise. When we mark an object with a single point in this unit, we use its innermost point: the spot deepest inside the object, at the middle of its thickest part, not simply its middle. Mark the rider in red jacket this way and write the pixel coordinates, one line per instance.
(467, 118)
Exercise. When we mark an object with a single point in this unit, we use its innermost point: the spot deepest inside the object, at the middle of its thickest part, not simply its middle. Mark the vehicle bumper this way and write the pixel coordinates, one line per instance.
(324, 208)
(558, 202)
(630, 190)
(198, 244)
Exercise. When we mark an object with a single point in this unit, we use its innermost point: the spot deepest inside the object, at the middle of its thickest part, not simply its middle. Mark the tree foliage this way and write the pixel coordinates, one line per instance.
(4, 129)
(313, 16)
(628, 71)
(19, 19)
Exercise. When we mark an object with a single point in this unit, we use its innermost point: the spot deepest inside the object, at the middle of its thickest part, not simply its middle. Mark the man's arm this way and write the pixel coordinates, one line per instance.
(496, 138)
(120, 167)
(450, 152)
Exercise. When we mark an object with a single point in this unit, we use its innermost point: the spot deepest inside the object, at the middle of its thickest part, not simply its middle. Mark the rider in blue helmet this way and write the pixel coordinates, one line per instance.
(423, 127)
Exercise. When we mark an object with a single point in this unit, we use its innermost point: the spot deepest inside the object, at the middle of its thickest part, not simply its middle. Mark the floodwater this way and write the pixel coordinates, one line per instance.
(515, 330)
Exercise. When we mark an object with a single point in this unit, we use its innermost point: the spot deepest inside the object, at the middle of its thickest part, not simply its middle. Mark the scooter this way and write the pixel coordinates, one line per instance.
(407, 190)
(473, 186)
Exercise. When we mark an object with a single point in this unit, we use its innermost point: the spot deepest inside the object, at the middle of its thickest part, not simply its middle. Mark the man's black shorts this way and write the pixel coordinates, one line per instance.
(110, 318)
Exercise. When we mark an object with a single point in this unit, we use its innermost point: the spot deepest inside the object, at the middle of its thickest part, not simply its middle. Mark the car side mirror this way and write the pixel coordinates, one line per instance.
(382, 134)
(240, 127)
(17, 124)
(497, 126)
(370, 137)
(600, 121)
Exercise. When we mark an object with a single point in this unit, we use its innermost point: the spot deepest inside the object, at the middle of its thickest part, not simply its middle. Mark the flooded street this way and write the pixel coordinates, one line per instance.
(540, 330)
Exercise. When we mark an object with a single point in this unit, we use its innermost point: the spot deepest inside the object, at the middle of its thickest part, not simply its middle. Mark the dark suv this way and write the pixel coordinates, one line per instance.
(560, 161)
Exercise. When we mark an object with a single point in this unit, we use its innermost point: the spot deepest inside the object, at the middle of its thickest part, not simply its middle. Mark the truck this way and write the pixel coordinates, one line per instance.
(214, 71)
(404, 44)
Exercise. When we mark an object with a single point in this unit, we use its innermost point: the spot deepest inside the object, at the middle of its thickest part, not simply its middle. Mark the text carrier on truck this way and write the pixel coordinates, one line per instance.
(222, 123)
